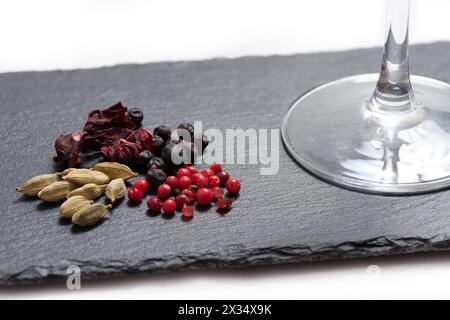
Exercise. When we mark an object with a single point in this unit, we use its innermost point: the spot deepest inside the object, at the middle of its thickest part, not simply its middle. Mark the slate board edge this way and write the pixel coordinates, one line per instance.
(228, 257)
(212, 60)
(235, 257)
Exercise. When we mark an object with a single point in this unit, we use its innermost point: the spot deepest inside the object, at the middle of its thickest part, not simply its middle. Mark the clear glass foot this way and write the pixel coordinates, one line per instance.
(385, 133)
(336, 132)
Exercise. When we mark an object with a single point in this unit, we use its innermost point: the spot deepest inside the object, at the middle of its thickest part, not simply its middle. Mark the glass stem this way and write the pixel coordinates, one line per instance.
(393, 93)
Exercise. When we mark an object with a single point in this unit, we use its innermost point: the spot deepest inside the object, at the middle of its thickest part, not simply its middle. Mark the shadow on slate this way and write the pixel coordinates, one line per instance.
(289, 217)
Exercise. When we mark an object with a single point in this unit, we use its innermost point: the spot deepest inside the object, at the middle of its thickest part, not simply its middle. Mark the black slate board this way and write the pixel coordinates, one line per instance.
(290, 217)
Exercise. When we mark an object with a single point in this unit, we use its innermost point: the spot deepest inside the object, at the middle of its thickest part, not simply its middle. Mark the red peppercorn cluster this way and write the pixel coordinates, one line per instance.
(138, 190)
(188, 187)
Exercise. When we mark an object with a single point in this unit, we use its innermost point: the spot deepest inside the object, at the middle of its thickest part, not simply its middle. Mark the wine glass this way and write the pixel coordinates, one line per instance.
(385, 133)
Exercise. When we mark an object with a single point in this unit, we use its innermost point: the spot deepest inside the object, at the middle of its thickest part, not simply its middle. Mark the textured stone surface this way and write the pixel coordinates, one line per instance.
(290, 217)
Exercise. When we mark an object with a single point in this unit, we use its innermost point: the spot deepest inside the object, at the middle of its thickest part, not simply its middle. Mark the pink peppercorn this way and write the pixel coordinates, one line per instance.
(204, 196)
(164, 191)
(183, 172)
(154, 204)
(233, 185)
(216, 167)
(169, 206)
(172, 181)
(184, 182)
(202, 181)
(214, 181)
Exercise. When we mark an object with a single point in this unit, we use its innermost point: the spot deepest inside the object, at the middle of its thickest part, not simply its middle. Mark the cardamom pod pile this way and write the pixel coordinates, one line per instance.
(78, 188)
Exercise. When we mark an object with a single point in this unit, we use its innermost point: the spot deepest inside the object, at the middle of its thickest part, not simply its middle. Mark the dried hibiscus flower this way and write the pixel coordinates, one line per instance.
(127, 151)
(123, 151)
(105, 127)
(95, 140)
(67, 147)
(143, 139)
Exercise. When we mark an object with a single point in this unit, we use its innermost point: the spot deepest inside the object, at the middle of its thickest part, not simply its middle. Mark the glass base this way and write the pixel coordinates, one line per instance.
(334, 133)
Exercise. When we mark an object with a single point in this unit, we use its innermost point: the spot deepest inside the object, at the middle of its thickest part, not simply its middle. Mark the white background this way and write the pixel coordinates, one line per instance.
(46, 35)
(52, 34)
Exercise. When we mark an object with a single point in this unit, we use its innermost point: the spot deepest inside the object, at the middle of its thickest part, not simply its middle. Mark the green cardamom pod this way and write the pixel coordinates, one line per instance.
(90, 214)
(81, 177)
(90, 191)
(32, 186)
(65, 172)
(115, 170)
(72, 205)
(57, 191)
(116, 190)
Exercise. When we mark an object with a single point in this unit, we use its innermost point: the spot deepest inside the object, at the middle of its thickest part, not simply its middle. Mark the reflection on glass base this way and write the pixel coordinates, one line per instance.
(332, 133)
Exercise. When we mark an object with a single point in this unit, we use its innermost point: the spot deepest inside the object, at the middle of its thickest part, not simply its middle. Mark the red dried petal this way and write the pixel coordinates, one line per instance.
(122, 152)
(114, 116)
(105, 127)
(143, 139)
(105, 137)
(67, 147)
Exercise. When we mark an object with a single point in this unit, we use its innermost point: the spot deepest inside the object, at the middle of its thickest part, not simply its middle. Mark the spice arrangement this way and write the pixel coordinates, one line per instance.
(165, 157)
